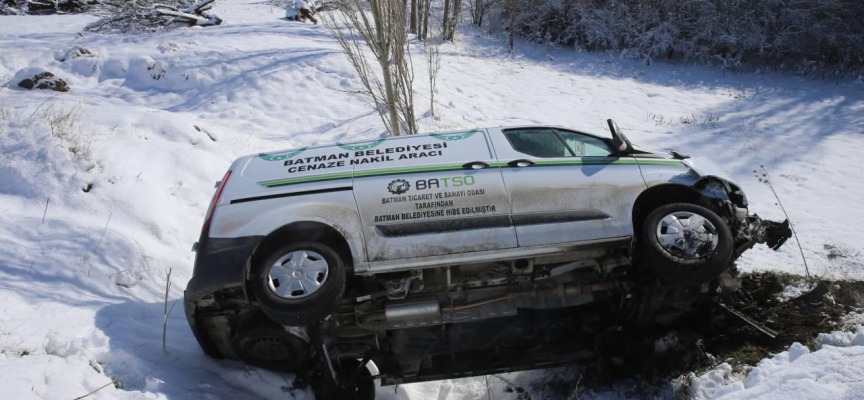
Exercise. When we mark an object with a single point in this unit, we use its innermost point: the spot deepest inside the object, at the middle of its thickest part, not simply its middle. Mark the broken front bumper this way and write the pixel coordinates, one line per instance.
(755, 230)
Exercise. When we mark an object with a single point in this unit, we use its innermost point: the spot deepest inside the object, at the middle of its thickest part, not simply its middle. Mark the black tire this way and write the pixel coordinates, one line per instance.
(269, 346)
(677, 267)
(306, 310)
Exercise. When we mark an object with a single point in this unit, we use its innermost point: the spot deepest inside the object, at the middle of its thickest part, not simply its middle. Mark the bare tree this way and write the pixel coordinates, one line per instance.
(385, 37)
(479, 9)
(433, 65)
(404, 75)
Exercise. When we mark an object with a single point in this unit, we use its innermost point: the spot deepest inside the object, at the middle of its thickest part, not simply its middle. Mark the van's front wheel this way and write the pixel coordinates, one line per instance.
(686, 243)
(299, 284)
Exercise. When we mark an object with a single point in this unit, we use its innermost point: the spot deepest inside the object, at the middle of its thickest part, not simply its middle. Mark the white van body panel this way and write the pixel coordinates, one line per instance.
(442, 198)
(263, 217)
(435, 204)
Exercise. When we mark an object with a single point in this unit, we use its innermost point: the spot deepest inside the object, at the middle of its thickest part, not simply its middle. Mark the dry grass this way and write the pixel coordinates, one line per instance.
(8, 116)
(67, 123)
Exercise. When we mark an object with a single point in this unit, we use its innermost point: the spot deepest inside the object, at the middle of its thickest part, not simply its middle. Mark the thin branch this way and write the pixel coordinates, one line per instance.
(768, 181)
(166, 312)
(44, 213)
(100, 388)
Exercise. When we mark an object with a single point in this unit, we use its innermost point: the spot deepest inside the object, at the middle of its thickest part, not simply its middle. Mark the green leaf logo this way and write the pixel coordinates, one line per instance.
(280, 157)
(453, 136)
(359, 147)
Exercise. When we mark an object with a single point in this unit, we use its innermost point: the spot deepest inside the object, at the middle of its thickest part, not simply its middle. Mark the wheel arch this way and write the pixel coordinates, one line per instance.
(709, 192)
(326, 238)
(657, 196)
(307, 230)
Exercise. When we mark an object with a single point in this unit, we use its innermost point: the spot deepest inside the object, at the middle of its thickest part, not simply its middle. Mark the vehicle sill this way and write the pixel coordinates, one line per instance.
(378, 267)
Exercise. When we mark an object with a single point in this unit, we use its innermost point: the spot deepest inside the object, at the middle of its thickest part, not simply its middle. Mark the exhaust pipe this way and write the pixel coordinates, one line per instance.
(407, 311)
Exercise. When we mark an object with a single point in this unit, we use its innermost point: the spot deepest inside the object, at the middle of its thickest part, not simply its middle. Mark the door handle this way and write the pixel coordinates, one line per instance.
(475, 165)
(520, 163)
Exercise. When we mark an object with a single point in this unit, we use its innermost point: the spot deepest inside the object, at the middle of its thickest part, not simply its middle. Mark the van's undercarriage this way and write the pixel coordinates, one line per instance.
(464, 320)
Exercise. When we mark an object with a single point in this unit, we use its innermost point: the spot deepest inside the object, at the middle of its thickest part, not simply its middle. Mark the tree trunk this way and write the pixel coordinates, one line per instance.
(512, 24)
(444, 20)
(413, 26)
(384, 60)
(421, 11)
(424, 17)
(453, 20)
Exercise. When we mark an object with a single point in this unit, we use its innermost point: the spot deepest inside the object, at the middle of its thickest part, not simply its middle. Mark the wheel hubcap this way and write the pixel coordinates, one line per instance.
(688, 235)
(297, 274)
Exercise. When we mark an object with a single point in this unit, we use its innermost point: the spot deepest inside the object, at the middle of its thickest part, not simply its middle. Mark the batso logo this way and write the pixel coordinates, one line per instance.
(398, 186)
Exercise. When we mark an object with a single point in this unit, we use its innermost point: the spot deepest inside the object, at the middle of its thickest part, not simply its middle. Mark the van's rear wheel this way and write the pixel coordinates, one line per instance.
(300, 283)
(686, 243)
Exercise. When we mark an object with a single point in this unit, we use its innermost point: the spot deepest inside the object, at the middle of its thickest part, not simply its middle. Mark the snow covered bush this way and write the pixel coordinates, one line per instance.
(20, 7)
(805, 36)
(154, 15)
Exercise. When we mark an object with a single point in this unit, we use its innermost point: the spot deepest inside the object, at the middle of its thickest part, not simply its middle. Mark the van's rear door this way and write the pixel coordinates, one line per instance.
(428, 195)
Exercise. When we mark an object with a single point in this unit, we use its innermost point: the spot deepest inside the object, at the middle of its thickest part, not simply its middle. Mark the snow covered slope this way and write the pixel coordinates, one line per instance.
(103, 189)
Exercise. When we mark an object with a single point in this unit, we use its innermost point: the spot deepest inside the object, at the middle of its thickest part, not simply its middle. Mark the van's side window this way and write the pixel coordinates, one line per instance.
(537, 142)
(585, 146)
(548, 143)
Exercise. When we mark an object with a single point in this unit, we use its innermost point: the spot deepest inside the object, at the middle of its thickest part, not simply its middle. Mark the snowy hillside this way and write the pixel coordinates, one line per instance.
(103, 188)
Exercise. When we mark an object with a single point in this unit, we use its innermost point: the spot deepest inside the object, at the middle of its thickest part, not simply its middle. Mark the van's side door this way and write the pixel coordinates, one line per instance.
(566, 186)
(430, 195)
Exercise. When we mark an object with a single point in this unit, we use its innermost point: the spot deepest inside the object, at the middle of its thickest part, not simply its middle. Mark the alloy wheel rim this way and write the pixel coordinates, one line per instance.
(688, 235)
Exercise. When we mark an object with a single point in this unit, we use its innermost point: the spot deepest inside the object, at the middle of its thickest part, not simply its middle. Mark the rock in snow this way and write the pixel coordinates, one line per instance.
(46, 81)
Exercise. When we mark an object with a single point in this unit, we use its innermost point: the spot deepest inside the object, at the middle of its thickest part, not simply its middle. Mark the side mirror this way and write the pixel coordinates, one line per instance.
(620, 143)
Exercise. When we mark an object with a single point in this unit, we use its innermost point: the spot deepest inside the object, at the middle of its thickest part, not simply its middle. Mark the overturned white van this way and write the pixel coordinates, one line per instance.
(450, 254)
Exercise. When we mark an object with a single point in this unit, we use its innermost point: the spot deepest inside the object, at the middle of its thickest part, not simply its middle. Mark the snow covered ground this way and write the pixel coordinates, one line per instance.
(103, 189)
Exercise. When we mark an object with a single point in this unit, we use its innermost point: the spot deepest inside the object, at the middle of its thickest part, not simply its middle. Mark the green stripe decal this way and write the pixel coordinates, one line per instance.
(458, 167)
(361, 174)
(596, 161)
(408, 170)
(659, 161)
(306, 179)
